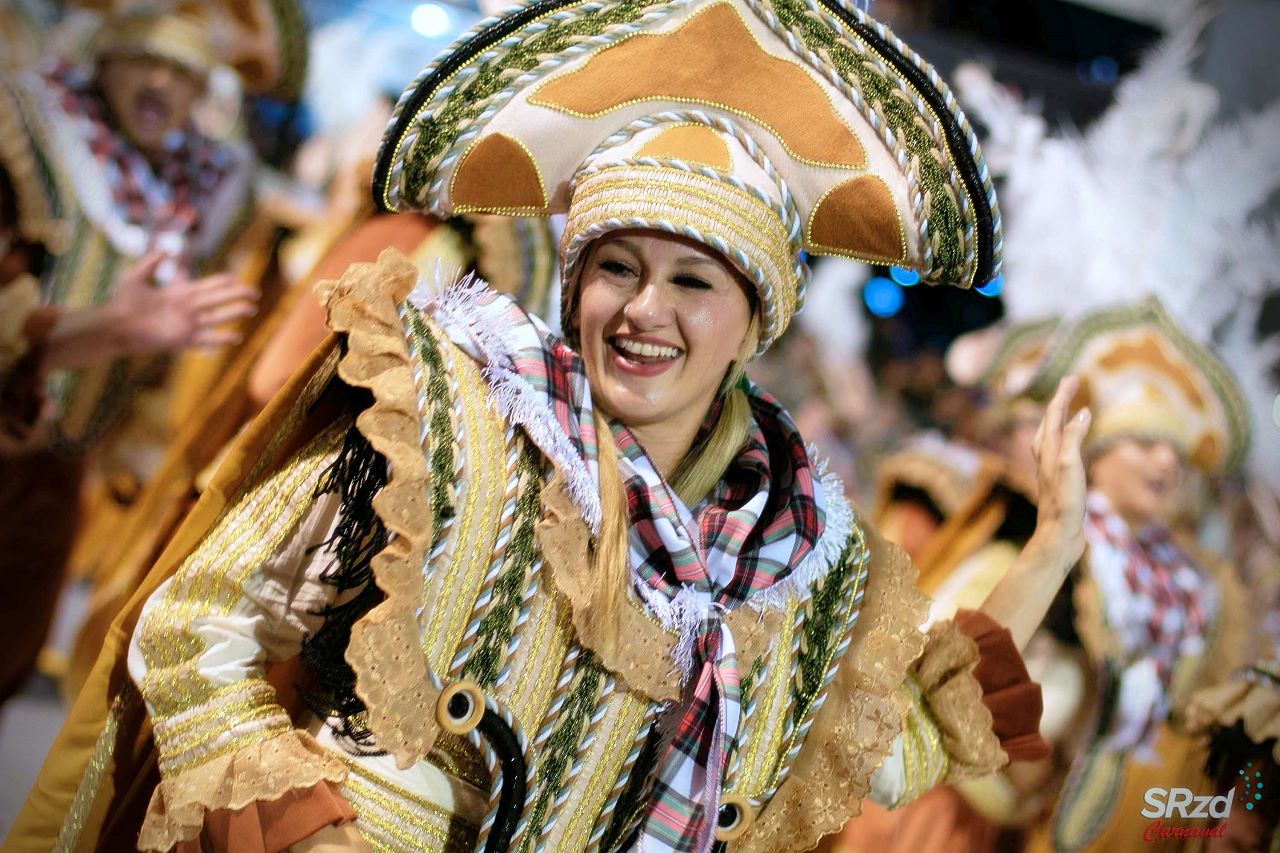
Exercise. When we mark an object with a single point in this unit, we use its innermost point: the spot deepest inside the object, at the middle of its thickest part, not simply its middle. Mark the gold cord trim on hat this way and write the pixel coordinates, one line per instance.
(673, 199)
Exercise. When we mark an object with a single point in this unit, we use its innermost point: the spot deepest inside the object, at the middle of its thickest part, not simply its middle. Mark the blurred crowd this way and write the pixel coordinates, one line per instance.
(169, 201)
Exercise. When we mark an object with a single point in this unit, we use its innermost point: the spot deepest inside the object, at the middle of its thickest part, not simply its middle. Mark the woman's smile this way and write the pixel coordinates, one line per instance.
(643, 355)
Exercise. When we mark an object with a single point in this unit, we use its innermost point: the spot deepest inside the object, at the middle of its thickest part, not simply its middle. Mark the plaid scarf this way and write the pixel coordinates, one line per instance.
(165, 198)
(689, 566)
(1157, 604)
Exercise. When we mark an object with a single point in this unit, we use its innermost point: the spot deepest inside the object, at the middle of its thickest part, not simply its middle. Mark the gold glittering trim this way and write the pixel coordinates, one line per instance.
(476, 524)
(385, 651)
(686, 202)
(94, 772)
(854, 730)
(673, 99)
(394, 819)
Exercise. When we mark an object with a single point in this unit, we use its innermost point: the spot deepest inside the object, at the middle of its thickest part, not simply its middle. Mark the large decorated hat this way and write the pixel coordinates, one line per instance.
(765, 129)
(1143, 377)
(265, 41)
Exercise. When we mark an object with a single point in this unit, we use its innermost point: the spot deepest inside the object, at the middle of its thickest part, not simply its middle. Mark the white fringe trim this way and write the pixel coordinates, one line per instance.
(455, 299)
(682, 614)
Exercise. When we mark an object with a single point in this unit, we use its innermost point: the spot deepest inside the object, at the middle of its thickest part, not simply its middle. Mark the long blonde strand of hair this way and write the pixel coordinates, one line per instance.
(611, 553)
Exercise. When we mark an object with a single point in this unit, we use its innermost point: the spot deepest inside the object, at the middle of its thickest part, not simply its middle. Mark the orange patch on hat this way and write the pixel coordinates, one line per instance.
(859, 218)
(1207, 454)
(1148, 352)
(691, 143)
(711, 59)
(498, 175)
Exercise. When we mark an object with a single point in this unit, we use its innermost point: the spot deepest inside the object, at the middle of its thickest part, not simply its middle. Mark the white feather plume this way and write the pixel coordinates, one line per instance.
(1154, 197)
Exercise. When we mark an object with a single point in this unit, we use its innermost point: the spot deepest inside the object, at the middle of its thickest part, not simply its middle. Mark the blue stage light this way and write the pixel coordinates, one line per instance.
(993, 287)
(883, 296)
(904, 276)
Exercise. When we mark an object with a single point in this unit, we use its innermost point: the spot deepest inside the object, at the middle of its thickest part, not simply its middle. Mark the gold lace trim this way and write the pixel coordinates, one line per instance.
(854, 730)
(385, 651)
(953, 697)
(259, 772)
(1257, 706)
(638, 650)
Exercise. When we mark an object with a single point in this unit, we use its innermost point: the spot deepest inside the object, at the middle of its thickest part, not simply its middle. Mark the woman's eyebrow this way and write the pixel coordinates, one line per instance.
(623, 243)
(693, 260)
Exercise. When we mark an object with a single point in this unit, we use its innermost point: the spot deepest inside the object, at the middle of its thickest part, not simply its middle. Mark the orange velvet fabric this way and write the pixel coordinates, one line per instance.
(1008, 692)
(272, 826)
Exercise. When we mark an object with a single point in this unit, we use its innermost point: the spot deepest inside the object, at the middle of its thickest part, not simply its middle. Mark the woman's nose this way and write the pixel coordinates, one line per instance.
(649, 308)
(1165, 455)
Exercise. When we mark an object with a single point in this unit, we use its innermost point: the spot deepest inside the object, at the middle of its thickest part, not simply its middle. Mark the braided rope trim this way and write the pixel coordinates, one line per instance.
(454, 301)
(596, 30)
(925, 204)
(786, 210)
(810, 697)
(597, 26)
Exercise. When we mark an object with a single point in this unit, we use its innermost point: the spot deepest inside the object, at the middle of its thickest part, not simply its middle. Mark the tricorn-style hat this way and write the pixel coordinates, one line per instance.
(765, 129)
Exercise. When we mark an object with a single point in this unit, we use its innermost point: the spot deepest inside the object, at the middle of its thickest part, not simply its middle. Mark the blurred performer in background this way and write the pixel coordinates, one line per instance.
(516, 256)
(963, 513)
(260, 49)
(1155, 617)
(141, 201)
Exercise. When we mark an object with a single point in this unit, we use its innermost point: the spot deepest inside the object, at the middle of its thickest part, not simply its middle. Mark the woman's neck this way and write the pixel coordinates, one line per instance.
(667, 443)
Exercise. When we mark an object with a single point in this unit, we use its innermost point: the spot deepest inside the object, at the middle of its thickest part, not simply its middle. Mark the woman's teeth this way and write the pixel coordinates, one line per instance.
(643, 350)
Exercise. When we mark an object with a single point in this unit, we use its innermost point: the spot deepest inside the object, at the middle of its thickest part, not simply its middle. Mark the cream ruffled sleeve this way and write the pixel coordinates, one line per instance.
(244, 598)
(968, 670)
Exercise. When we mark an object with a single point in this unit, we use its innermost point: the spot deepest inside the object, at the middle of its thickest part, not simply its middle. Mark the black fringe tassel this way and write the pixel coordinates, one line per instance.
(356, 476)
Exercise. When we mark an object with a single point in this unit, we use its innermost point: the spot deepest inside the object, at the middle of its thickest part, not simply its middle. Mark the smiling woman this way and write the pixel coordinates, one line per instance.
(591, 592)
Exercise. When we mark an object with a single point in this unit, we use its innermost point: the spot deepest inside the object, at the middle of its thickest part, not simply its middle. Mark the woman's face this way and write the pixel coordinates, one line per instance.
(660, 319)
(1141, 479)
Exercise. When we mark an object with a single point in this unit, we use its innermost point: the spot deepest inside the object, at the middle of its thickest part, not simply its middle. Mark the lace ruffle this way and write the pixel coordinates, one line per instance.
(1255, 704)
(854, 730)
(953, 696)
(392, 676)
(256, 773)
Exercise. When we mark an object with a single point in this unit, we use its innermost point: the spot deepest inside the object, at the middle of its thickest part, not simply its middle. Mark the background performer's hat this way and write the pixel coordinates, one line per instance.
(264, 41)
(1145, 378)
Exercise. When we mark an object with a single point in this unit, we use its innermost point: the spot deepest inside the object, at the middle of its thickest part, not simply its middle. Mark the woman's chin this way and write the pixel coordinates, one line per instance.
(632, 403)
